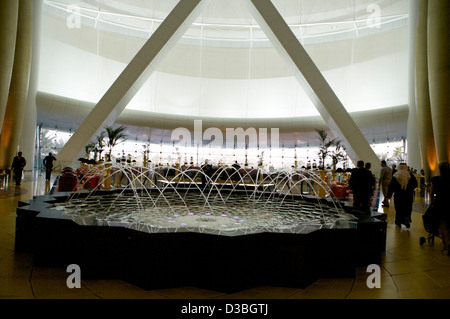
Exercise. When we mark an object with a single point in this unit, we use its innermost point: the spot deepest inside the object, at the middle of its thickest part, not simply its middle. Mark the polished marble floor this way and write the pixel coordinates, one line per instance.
(408, 270)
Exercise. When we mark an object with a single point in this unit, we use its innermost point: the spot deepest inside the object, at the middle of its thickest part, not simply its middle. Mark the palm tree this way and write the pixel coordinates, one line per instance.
(324, 145)
(398, 155)
(100, 144)
(114, 137)
(89, 148)
(338, 154)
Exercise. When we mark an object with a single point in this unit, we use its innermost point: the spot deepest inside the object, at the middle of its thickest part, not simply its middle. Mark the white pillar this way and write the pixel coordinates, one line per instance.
(314, 83)
(413, 147)
(8, 32)
(439, 74)
(28, 135)
(132, 78)
(17, 98)
(423, 109)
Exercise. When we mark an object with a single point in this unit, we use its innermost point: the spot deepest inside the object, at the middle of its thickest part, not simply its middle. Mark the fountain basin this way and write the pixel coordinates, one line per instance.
(230, 212)
(155, 255)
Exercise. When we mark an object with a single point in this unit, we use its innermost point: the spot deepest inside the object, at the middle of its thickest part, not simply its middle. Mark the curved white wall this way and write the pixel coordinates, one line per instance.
(378, 126)
(367, 72)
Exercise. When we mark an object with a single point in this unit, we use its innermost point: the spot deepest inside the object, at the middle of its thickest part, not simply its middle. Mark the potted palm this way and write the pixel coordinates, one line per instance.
(89, 148)
(338, 155)
(324, 146)
(100, 144)
(114, 137)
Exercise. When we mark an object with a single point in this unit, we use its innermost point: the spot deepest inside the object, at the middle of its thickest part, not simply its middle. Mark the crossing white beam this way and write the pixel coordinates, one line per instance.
(166, 36)
(311, 79)
(133, 77)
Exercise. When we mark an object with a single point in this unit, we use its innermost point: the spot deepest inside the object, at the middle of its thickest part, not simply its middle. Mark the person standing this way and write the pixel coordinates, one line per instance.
(48, 164)
(361, 183)
(368, 166)
(394, 169)
(17, 166)
(207, 173)
(402, 187)
(440, 190)
(385, 181)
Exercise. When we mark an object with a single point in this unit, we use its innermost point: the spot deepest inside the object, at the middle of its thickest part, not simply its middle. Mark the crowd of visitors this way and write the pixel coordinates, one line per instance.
(400, 183)
(361, 183)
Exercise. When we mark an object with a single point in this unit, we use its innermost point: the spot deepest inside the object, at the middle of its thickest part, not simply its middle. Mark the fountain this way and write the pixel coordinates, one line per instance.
(231, 202)
(164, 225)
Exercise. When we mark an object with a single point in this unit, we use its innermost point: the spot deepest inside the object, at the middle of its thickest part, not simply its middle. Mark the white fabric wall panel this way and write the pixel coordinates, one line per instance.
(212, 81)
(68, 71)
(264, 98)
(176, 94)
(67, 114)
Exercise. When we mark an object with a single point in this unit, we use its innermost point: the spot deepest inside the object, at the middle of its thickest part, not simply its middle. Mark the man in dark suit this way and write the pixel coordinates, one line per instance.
(17, 167)
(48, 164)
(361, 182)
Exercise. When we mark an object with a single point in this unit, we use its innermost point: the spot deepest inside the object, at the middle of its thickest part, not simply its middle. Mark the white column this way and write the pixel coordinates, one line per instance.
(17, 98)
(439, 74)
(28, 136)
(423, 109)
(314, 83)
(413, 148)
(133, 77)
(8, 31)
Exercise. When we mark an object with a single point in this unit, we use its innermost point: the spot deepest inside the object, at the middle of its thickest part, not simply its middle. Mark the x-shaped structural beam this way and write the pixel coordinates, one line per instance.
(167, 35)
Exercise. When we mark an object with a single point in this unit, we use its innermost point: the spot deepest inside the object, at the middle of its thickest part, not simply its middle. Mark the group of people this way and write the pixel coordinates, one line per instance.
(362, 184)
(19, 163)
(399, 183)
(402, 187)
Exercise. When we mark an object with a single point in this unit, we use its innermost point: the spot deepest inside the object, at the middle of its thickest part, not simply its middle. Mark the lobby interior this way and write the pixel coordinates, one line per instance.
(354, 69)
